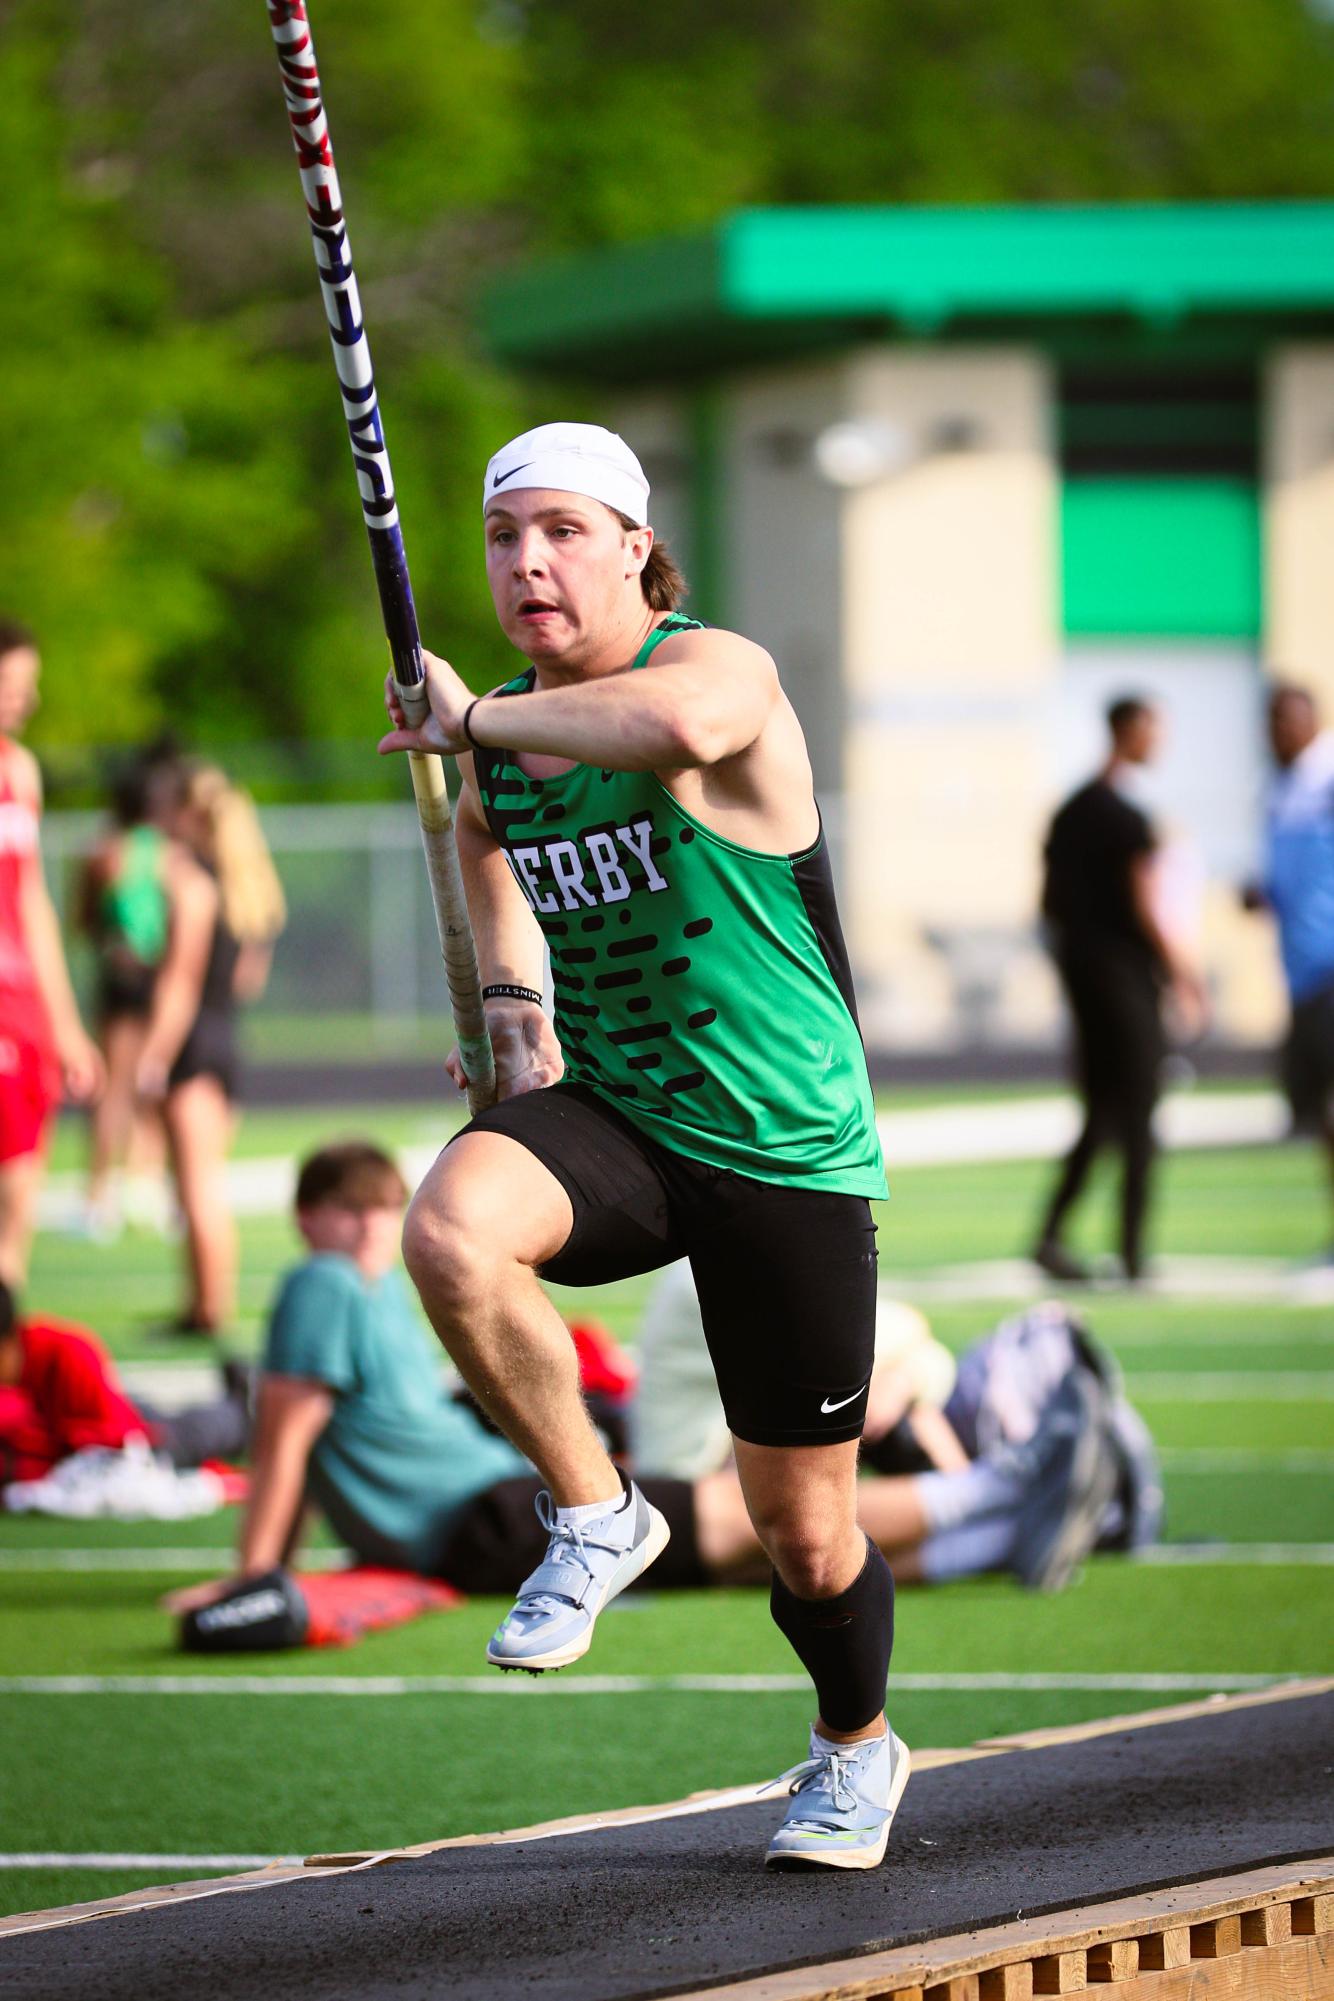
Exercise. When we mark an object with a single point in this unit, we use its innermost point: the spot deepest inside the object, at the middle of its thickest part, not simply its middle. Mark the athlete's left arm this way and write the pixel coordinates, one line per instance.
(705, 696)
(292, 1412)
(80, 1059)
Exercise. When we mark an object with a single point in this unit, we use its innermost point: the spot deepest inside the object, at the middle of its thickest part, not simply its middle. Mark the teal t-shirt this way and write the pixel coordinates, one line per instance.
(398, 1459)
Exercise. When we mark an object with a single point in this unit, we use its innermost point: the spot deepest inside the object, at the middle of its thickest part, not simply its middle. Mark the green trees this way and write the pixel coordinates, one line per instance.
(177, 518)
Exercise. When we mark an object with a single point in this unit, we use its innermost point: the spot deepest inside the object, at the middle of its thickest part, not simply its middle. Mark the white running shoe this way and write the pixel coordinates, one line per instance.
(585, 1566)
(844, 1798)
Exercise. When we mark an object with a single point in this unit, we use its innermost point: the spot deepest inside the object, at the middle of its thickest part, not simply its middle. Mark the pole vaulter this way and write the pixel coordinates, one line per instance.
(365, 429)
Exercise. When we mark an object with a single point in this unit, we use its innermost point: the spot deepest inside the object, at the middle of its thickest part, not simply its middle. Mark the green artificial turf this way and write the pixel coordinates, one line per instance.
(205, 1774)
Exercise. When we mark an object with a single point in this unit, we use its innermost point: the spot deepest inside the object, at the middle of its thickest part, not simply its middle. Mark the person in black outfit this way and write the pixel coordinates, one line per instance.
(1115, 961)
(225, 909)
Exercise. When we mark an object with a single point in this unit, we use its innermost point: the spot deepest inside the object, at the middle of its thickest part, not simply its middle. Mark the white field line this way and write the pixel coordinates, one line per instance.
(1245, 1459)
(1225, 1385)
(40, 1859)
(1181, 1553)
(221, 1560)
(1041, 1128)
(1243, 1554)
(614, 1684)
(1231, 1281)
(1256, 1339)
(173, 1385)
(1014, 1129)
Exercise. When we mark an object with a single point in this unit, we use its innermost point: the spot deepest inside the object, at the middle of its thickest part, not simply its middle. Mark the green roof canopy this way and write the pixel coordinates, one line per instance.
(773, 281)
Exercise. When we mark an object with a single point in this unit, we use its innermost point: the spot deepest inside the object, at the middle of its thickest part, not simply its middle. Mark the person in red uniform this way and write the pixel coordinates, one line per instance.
(60, 1393)
(43, 1045)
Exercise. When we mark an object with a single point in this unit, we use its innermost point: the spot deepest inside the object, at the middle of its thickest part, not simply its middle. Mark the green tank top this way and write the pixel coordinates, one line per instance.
(702, 988)
(133, 908)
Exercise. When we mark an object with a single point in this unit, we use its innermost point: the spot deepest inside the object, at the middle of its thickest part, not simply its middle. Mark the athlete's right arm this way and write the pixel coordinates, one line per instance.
(509, 952)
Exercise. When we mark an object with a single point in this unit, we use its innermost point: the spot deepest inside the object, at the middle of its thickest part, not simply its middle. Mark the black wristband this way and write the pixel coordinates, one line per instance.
(503, 990)
(467, 722)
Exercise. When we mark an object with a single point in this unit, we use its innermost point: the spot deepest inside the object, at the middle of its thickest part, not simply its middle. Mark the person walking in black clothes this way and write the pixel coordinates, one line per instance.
(1115, 960)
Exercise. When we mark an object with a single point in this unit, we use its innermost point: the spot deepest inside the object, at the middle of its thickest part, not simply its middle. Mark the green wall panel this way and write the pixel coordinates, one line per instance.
(1161, 557)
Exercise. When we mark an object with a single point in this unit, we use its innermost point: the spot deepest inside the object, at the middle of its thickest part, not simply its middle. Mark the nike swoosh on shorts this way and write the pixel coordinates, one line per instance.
(827, 1409)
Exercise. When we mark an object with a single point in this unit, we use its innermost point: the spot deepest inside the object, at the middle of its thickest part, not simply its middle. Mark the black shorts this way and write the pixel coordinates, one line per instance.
(1307, 1062)
(786, 1276)
(209, 1050)
(125, 989)
(497, 1540)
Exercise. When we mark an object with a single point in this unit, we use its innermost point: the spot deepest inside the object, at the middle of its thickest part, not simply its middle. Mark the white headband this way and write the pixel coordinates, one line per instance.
(572, 458)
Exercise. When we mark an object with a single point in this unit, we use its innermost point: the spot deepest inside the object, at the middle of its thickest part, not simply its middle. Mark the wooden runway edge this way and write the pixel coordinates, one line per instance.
(317, 1867)
(1261, 1935)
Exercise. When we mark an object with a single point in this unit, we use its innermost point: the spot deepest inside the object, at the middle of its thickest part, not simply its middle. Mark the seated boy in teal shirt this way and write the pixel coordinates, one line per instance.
(352, 1412)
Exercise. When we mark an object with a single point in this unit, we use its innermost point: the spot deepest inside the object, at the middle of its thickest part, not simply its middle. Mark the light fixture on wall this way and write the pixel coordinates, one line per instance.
(861, 450)
(858, 451)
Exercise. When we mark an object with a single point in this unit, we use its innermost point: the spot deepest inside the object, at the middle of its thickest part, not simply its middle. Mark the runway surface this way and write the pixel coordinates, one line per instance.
(662, 1907)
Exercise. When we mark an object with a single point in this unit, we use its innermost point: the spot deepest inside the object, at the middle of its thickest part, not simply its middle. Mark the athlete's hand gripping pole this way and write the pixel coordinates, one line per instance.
(352, 361)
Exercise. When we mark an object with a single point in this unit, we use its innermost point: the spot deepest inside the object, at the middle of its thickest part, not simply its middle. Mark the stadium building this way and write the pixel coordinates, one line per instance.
(967, 473)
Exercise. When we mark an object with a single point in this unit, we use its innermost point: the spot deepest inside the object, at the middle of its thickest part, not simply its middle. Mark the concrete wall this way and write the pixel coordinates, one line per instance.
(952, 650)
(782, 567)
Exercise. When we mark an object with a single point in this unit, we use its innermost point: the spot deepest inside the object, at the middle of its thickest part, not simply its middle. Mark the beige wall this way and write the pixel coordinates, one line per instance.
(950, 597)
(914, 623)
(781, 563)
(1299, 516)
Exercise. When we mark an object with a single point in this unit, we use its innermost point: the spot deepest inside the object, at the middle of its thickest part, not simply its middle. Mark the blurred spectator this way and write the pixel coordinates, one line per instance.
(1298, 886)
(60, 1394)
(677, 1423)
(351, 1414)
(124, 910)
(225, 908)
(42, 1040)
(953, 1481)
(1102, 909)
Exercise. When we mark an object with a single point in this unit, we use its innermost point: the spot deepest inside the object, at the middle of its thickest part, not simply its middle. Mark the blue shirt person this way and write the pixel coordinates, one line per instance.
(352, 1412)
(1298, 886)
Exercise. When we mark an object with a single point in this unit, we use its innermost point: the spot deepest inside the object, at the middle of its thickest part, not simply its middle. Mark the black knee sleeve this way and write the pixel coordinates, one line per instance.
(843, 1643)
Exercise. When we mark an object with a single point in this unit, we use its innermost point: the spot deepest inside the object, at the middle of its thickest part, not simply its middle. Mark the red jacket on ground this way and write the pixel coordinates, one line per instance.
(67, 1397)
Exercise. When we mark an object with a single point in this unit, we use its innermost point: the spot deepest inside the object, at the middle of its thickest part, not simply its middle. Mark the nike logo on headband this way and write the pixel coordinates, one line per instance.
(827, 1408)
(501, 477)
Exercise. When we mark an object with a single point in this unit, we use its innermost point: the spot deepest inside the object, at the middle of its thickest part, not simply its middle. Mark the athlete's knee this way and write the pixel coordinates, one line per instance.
(448, 1257)
(809, 1550)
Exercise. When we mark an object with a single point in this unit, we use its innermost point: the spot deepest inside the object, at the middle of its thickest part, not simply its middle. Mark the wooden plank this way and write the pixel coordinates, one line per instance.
(1313, 1915)
(1148, 1915)
(1301, 1970)
(963, 1987)
(1148, 1719)
(1167, 1948)
(1007, 1983)
(1217, 1938)
(1061, 1972)
(150, 1899)
(1271, 1925)
(1114, 1959)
